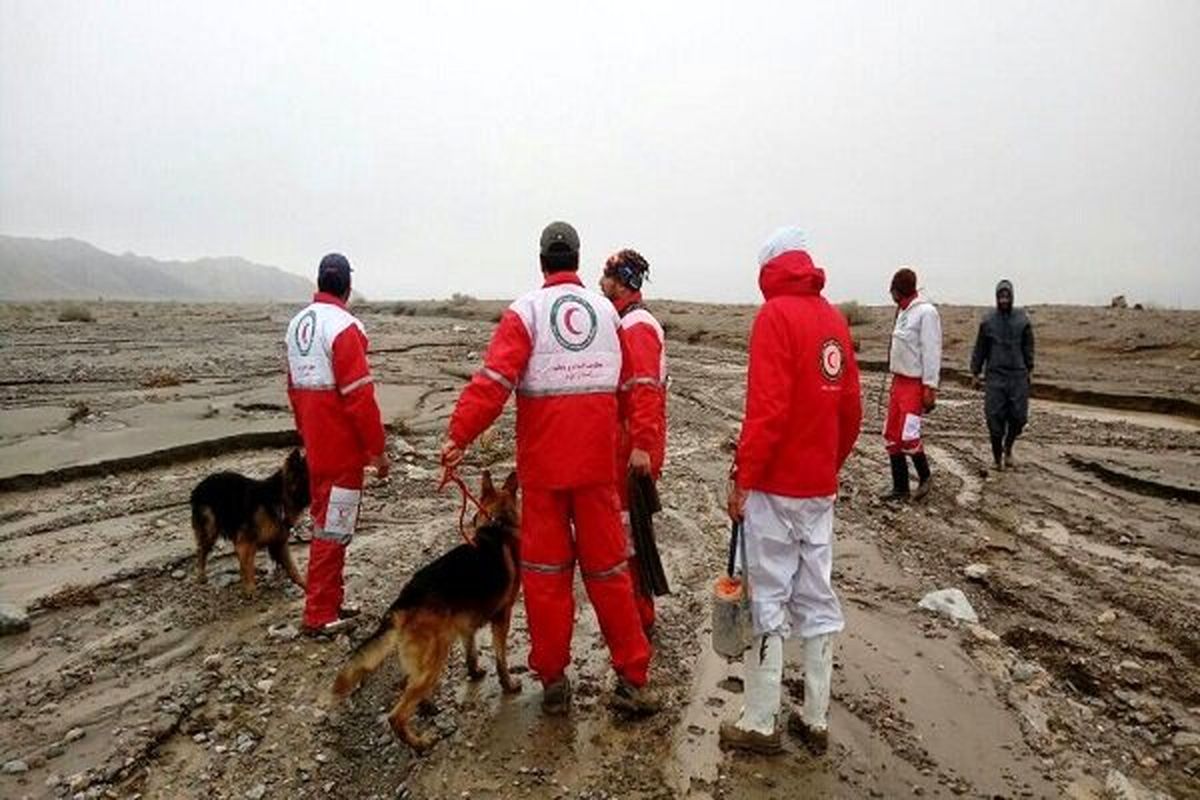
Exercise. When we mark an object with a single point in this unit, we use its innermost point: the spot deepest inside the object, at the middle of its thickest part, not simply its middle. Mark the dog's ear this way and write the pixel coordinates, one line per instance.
(511, 484)
(487, 490)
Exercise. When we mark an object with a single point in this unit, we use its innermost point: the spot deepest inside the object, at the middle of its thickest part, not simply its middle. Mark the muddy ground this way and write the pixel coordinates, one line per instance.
(134, 680)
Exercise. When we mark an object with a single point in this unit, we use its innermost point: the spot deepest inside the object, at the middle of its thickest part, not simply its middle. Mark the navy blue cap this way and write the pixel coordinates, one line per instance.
(335, 264)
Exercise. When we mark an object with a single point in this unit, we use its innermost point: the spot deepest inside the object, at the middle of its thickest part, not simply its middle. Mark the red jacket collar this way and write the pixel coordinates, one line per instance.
(558, 278)
(325, 297)
(792, 273)
(625, 302)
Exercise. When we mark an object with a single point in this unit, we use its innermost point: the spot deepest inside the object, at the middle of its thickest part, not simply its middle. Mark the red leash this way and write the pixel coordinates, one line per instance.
(450, 476)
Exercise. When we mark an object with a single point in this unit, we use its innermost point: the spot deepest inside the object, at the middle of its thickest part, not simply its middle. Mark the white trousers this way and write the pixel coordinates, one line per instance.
(789, 563)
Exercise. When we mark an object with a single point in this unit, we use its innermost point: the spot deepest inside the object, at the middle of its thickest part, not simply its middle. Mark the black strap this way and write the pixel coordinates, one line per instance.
(735, 530)
(633, 307)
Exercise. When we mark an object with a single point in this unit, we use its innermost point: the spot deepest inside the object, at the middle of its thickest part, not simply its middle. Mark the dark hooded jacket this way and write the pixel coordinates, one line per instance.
(1004, 346)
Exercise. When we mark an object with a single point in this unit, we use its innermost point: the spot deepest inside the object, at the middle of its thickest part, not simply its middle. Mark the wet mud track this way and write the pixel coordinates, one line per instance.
(136, 680)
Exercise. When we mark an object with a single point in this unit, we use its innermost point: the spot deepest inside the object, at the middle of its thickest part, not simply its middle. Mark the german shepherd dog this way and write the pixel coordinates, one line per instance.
(444, 601)
(251, 514)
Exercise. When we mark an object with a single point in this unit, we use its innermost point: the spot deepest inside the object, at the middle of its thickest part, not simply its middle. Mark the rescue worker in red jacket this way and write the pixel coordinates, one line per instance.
(333, 399)
(803, 412)
(915, 363)
(559, 348)
(642, 395)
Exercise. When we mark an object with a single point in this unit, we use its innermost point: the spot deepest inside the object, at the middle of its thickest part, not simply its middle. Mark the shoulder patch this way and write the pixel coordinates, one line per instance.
(833, 360)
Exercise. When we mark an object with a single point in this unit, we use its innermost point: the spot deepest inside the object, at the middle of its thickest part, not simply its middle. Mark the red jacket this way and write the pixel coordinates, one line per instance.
(331, 389)
(803, 407)
(559, 347)
(642, 398)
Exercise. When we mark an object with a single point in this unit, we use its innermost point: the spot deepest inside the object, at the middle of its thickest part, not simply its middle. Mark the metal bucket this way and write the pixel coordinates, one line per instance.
(731, 626)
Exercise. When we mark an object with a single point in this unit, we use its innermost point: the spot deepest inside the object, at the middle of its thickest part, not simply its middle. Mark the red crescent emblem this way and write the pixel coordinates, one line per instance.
(567, 321)
(832, 359)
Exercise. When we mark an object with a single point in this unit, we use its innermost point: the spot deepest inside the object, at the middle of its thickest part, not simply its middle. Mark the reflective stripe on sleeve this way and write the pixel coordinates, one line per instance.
(488, 372)
(352, 385)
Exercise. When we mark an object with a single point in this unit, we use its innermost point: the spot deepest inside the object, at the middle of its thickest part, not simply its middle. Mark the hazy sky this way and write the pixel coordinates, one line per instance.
(1054, 143)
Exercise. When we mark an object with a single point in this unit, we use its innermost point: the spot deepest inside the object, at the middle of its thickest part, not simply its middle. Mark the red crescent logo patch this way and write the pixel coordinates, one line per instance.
(833, 360)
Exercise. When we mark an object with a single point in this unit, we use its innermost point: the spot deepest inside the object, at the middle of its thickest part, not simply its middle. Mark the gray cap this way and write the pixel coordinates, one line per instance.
(559, 237)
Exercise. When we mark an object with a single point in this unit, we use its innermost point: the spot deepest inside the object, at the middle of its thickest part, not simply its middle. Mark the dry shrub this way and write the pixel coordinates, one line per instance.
(855, 313)
(460, 299)
(492, 447)
(75, 312)
(161, 379)
(70, 596)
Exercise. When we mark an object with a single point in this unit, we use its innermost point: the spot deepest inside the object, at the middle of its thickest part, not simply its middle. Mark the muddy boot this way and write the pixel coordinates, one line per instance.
(756, 729)
(997, 452)
(556, 697)
(924, 477)
(816, 740)
(636, 701)
(899, 492)
(731, 737)
(330, 629)
(812, 723)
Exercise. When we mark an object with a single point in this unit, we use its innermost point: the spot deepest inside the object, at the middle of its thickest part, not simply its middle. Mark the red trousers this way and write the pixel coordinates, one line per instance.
(902, 432)
(558, 527)
(335, 501)
(641, 597)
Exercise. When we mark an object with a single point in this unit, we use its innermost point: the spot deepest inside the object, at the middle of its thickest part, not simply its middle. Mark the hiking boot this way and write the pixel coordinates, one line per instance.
(1008, 460)
(329, 630)
(731, 736)
(349, 612)
(815, 739)
(556, 697)
(922, 489)
(636, 701)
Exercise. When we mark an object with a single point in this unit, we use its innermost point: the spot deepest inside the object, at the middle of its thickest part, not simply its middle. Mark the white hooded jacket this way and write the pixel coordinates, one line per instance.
(917, 343)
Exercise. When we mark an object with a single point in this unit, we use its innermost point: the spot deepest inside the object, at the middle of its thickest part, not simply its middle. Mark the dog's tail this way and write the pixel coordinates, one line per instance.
(367, 657)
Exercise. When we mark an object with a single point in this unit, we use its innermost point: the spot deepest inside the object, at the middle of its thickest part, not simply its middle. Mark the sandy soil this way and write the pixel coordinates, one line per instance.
(133, 680)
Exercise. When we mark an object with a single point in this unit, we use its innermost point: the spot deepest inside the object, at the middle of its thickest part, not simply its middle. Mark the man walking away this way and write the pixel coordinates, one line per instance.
(559, 347)
(1004, 349)
(803, 412)
(642, 395)
(333, 399)
(915, 363)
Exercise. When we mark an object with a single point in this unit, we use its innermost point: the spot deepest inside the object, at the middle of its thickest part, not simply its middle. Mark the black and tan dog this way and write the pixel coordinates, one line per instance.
(251, 514)
(445, 601)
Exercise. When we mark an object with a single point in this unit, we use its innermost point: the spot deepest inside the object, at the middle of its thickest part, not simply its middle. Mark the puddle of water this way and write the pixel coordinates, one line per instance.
(696, 755)
(1057, 535)
(968, 495)
(1145, 419)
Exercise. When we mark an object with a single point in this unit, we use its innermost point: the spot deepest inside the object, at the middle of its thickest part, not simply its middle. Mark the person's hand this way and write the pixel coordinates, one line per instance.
(976, 382)
(382, 465)
(928, 398)
(452, 454)
(639, 462)
(736, 505)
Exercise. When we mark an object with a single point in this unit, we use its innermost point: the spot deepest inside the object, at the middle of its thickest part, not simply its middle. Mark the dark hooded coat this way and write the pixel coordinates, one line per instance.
(1004, 354)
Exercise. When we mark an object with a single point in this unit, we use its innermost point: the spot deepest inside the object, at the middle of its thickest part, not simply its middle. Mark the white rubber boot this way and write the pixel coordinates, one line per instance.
(764, 682)
(756, 729)
(818, 675)
(812, 724)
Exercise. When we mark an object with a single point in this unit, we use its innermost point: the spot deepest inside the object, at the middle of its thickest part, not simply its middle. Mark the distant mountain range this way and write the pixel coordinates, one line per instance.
(68, 269)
